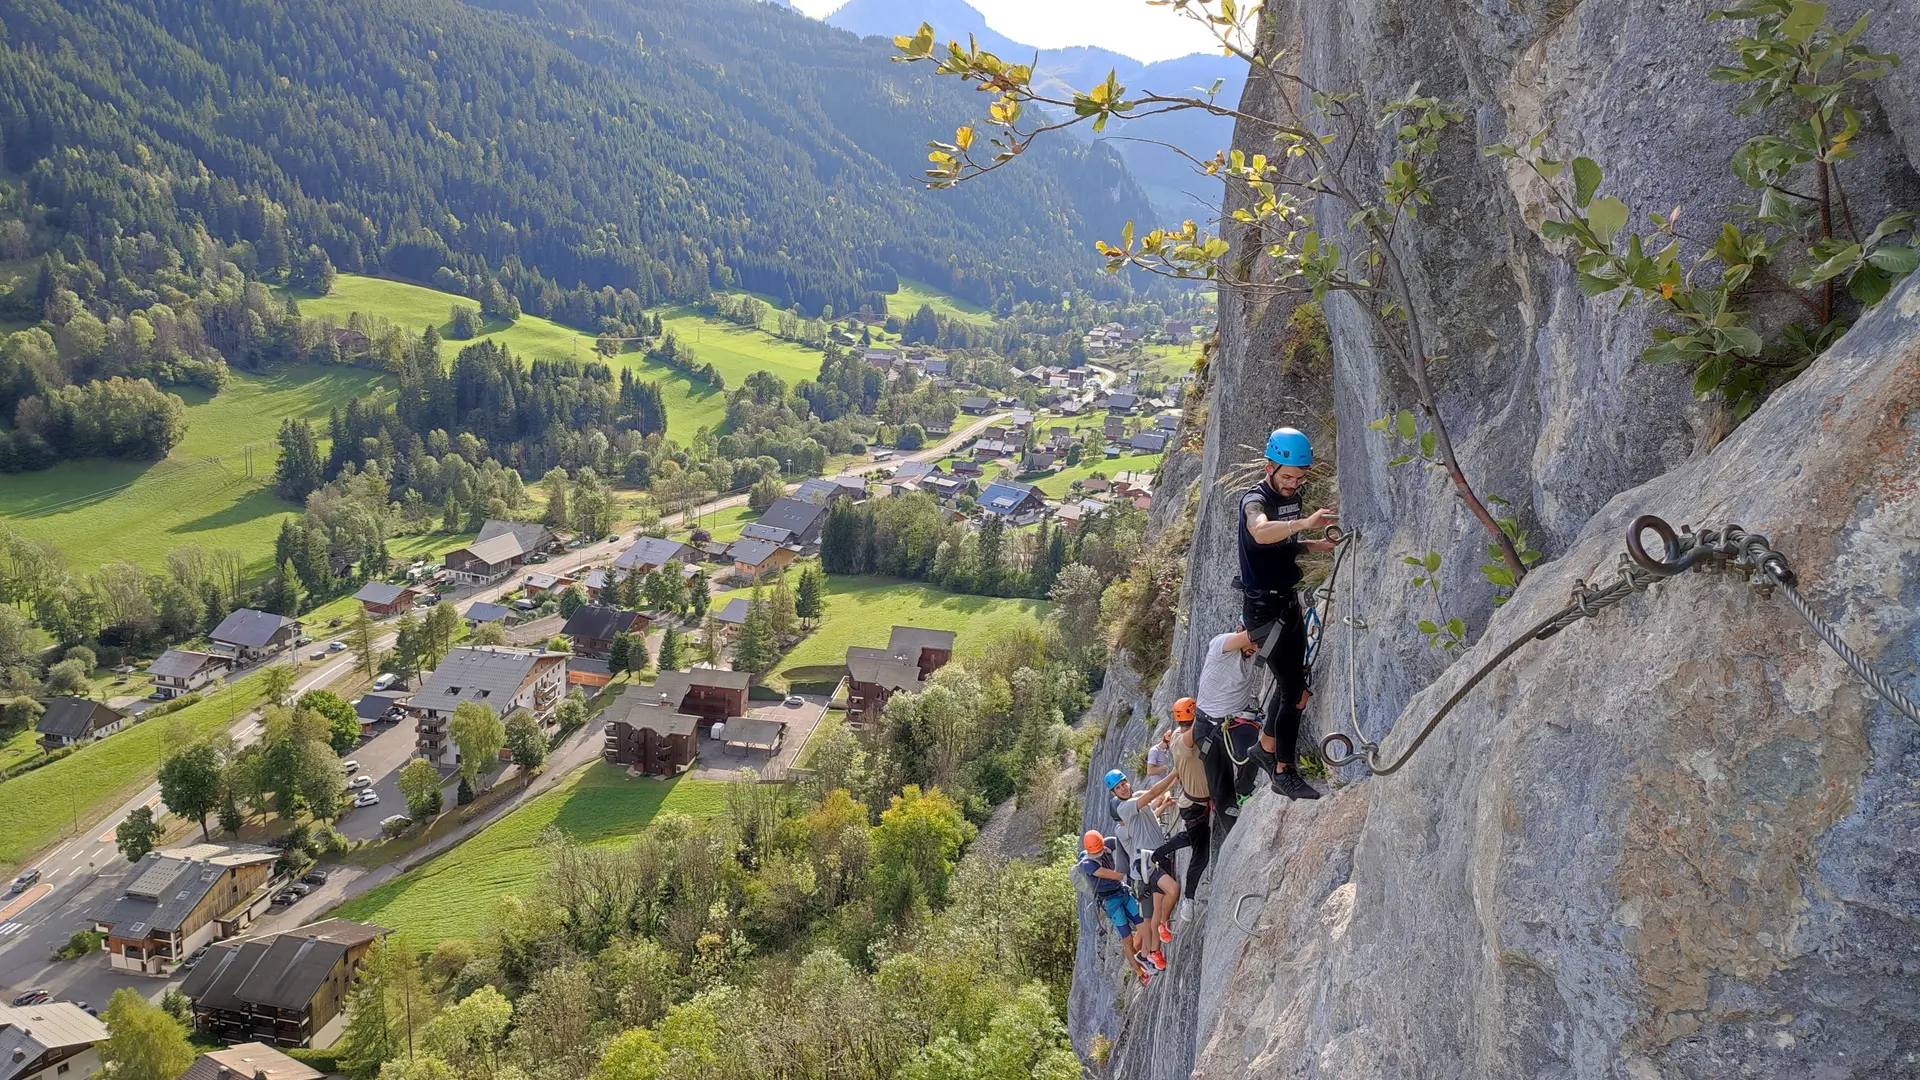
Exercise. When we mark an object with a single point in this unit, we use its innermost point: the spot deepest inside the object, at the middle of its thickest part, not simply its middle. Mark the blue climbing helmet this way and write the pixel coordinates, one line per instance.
(1114, 776)
(1289, 446)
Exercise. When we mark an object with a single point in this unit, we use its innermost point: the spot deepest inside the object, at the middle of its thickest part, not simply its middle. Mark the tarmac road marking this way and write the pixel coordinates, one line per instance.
(12, 928)
(24, 901)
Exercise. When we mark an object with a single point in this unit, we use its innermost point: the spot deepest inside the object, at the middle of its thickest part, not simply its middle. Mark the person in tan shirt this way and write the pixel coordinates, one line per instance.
(1196, 804)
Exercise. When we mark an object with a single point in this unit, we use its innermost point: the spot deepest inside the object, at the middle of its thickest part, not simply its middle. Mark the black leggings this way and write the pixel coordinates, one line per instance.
(1287, 659)
(1225, 773)
(1198, 835)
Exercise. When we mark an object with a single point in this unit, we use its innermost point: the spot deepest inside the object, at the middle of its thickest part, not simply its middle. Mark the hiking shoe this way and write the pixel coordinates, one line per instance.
(1288, 782)
(1157, 959)
(1166, 935)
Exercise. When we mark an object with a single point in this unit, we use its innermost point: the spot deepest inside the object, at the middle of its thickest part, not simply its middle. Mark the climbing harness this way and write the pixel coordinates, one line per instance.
(1639, 568)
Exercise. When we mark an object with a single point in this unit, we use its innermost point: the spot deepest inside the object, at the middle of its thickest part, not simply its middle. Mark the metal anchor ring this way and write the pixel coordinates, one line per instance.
(1344, 757)
(1675, 560)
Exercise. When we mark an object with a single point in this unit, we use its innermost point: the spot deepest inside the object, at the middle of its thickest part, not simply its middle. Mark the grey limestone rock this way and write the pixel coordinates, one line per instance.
(1675, 841)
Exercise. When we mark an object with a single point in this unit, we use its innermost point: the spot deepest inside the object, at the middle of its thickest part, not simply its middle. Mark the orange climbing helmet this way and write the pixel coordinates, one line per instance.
(1093, 842)
(1183, 711)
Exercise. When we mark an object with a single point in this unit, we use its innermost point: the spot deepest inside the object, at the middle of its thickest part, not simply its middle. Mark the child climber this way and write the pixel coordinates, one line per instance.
(1100, 864)
(1141, 835)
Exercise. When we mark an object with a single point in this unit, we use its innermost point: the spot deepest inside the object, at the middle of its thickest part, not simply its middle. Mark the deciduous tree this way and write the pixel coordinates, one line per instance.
(190, 783)
(526, 743)
(136, 835)
(143, 1042)
(479, 734)
(419, 784)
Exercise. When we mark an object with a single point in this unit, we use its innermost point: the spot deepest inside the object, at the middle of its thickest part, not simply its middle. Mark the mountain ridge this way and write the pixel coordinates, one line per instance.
(1165, 175)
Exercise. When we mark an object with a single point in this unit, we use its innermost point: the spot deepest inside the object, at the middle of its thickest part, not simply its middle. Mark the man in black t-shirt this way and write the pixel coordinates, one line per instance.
(1270, 543)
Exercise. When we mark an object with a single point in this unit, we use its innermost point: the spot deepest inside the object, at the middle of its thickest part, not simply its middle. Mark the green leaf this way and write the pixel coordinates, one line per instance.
(1412, 561)
(1607, 216)
(1427, 442)
(1594, 285)
(1743, 340)
(1456, 628)
(1399, 461)
(1802, 21)
(1433, 561)
(1407, 428)
(1378, 425)
(1427, 627)
(1586, 181)
(1498, 575)
(1896, 260)
(1869, 285)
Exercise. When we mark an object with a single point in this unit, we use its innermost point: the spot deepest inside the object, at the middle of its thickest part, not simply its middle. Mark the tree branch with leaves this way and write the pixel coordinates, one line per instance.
(1310, 168)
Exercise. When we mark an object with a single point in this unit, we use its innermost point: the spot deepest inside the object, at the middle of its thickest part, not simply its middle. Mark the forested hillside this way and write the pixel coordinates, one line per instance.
(647, 146)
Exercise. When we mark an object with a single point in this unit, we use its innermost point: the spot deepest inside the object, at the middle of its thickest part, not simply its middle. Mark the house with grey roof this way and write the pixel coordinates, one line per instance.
(172, 902)
(506, 680)
(286, 989)
(912, 655)
(755, 530)
(650, 553)
(734, 613)
(802, 519)
(501, 548)
(1149, 442)
(1009, 499)
(825, 489)
(247, 635)
(480, 612)
(592, 628)
(72, 721)
(182, 671)
(55, 1039)
(380, 599)
(975, 406)
(756, 558)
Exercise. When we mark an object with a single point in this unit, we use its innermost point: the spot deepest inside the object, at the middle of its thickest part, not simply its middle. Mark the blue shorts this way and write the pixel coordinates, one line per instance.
(1123, 911)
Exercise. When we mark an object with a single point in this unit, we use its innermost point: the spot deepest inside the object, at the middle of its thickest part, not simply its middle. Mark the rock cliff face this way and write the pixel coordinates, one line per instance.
(1678, 840)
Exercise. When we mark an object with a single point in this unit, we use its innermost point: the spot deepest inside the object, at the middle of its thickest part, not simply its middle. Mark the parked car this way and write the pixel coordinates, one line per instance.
(336, 646)
(795, 700)
(20, 883)
(385, 680)
(31, 997)
(314, 877)
(285, 898)
(185, 965)
(395, 820)
(298, 889)
(526, 605)
(88, 1009)
(350, 766)
(317, 654)
(358, 782)
(367, 798)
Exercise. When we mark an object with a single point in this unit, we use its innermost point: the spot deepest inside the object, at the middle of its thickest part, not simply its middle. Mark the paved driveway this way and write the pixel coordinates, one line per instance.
(380, 757)
(717, 761)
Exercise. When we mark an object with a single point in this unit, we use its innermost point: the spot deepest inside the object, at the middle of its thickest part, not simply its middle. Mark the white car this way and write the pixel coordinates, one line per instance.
(350, 767)
(795, 700)
(367, 798)
(384, 681)
(336, 646)
(358, 782)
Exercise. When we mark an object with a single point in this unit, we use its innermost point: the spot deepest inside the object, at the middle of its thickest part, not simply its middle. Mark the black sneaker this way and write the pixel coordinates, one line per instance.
(1287, 782)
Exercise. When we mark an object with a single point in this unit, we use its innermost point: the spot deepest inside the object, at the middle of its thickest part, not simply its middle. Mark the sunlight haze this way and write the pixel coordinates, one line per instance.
(1130, 27)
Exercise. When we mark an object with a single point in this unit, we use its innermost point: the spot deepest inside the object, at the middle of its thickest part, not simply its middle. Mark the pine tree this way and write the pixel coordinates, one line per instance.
(781, 615)
(810, 603)
(366, 652)
(753, 651)
(621, 654)
(669, 650)
(289, 596)
(710, 636)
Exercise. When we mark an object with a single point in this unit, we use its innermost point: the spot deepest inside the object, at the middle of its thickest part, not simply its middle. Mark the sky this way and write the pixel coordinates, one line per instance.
(1128, 27)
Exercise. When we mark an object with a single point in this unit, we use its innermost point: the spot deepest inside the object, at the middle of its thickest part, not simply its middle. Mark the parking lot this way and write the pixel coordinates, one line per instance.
(380, 757)
(717, 761)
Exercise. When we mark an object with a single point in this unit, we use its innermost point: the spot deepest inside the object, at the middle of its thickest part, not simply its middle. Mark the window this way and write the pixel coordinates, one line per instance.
(62, 1070)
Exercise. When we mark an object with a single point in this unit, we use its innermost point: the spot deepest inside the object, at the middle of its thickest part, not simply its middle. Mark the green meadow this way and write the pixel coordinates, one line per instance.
(864, 611)
(41, 806)
(105, 511)
(914, 293)
(455, 894)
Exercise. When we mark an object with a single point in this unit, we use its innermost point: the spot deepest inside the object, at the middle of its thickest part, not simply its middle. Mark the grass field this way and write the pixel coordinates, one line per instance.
(735, 351)
(1056, 485)
(104, 511)
(914, 293)
(1172, 361)
(864, 611)
(453, 895)
(40, 806)
(722, 524)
